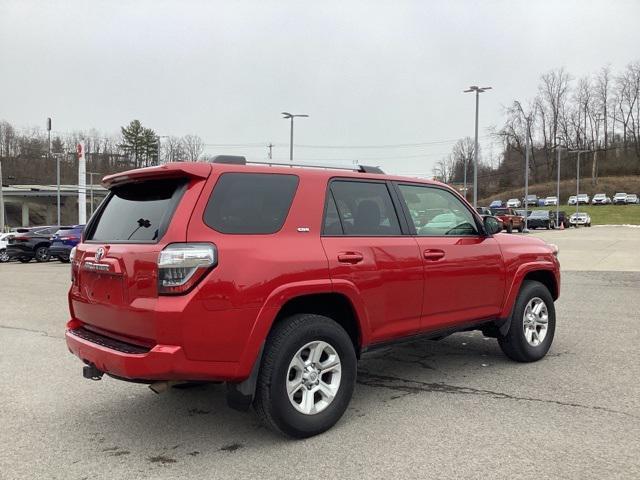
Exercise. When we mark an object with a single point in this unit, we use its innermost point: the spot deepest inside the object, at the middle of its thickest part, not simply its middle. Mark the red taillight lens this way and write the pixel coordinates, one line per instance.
(182, 265)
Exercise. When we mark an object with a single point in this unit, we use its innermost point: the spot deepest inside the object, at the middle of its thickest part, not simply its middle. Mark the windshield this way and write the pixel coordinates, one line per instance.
(539, 213)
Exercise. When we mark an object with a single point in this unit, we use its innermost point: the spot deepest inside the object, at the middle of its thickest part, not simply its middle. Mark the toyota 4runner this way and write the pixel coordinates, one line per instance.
(276, 279)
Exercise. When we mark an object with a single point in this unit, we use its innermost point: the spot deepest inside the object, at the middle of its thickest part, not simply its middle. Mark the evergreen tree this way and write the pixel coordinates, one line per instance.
(141, 143)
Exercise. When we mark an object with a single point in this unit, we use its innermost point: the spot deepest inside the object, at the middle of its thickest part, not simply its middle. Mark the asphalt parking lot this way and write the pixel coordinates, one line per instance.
(450, 409)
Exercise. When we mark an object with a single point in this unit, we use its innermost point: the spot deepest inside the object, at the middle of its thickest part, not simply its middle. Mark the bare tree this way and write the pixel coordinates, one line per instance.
(193, 147)
(173, 150)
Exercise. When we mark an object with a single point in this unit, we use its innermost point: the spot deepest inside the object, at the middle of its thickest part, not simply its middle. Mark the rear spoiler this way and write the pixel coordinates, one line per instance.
(169, 170)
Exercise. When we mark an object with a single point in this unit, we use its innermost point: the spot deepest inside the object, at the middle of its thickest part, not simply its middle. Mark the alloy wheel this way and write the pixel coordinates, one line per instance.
(313, 377)
(535, 321)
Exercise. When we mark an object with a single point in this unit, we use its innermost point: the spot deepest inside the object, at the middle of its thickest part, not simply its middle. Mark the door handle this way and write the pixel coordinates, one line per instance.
(433, 255)
(350, 257)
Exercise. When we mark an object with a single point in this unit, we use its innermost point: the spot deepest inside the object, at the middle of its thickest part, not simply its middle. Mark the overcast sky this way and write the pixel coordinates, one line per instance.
(368, 73)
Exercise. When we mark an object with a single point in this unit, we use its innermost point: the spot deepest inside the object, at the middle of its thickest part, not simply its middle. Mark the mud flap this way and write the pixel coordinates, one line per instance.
(240, 395)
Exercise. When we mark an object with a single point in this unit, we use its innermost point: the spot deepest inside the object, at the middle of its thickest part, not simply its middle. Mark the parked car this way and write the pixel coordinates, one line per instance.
(620, 199)
(572, 200)
(64, 240)
(551, 201)
(509, 218)
(632, 198)
(531, 201)
(523, 213)
(514, 203)
(600, 199)
(4, 240)
(583, 199)
(541, 219)
(580, 218)
(496, 204)
(275, 280)
(484, 210)
(30, 243)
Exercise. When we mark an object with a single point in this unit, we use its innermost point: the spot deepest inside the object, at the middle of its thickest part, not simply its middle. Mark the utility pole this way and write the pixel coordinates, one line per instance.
(291, 116)
(464, 178)
(478, 91)
(526, 178)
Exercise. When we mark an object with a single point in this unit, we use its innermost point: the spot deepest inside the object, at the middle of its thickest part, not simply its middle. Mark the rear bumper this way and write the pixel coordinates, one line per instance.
(162, 362)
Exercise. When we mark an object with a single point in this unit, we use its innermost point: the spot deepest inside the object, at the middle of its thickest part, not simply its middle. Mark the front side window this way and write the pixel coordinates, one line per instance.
(250, 203)
(364, 209)
(437, 212)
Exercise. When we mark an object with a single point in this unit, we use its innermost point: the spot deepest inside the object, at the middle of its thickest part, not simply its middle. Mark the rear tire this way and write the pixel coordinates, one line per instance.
(64, 259)
(284, 367)
(42, 254)
(4, 256)
(530, 334)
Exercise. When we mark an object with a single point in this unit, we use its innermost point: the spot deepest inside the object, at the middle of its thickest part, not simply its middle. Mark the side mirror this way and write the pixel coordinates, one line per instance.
(492, 225)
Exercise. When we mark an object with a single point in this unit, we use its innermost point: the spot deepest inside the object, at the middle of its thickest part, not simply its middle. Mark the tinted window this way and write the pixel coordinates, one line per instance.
(332, 224)
(137, 212)
(437, 212)
(365, 208)
(250, 203)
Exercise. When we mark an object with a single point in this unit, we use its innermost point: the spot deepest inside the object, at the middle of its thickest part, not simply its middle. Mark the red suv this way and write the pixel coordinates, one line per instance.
(276, 280)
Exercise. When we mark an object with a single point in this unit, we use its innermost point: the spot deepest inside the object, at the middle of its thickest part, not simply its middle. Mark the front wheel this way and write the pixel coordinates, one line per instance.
(307, 375)
(533, 324)
(4, 256)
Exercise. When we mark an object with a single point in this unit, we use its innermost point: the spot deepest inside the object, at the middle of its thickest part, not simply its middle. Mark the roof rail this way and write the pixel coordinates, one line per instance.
(239, 160)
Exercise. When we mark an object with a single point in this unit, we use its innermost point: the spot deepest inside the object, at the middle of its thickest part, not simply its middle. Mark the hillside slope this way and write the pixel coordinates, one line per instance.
(608, 185)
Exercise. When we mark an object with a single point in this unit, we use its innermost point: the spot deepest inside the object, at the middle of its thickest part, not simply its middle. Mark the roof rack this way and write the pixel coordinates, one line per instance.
(240, 160)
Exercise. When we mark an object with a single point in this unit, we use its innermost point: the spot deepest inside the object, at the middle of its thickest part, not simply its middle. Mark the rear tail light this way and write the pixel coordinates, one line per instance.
(74, 267)
(182, 265)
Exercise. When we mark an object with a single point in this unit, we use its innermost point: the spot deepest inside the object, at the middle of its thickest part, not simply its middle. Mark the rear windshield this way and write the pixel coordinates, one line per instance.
(250, 203)
(137, 212)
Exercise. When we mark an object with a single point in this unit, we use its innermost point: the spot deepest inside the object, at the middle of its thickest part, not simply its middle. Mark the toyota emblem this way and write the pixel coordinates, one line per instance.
(99, 254)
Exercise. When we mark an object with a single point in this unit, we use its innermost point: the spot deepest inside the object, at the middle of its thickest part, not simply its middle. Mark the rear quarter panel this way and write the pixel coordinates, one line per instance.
(235, 305)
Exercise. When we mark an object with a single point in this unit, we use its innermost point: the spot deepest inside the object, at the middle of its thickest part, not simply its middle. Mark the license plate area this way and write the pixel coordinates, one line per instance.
(102, 288)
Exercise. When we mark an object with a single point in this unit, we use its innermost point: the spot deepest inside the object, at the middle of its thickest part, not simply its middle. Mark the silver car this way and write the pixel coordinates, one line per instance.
(632, 198)
(620, 199)
(600, 199)
(580, 218)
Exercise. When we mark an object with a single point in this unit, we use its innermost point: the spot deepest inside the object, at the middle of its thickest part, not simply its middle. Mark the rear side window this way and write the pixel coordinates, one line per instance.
(364, 209)
(250, 203)
(137, 212)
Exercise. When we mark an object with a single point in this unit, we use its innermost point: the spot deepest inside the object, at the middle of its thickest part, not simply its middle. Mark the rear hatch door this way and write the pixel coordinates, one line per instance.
(114, 288)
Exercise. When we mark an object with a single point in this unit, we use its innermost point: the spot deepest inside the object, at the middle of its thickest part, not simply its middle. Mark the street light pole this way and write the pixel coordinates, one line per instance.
(526, 179)
(478, 91)
(558, 186)
(1, 201)
(291, 116)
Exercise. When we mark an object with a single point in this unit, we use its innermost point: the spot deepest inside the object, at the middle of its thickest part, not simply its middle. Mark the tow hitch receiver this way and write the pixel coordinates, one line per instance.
(91, 372)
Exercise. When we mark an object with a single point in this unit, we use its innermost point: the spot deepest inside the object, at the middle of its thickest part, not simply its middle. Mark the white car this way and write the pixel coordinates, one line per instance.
(514, 203)
(4, 239)
(550, 201)
(572, 200)
(632, 198)
(580, 218)
(600, 199)
(620, 199)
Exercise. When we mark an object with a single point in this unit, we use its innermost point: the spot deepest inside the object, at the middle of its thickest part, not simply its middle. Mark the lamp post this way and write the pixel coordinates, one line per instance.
(291, 116)
(526, 177)
(478, 91)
